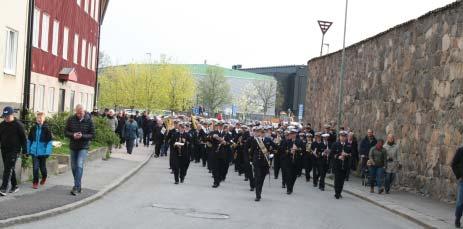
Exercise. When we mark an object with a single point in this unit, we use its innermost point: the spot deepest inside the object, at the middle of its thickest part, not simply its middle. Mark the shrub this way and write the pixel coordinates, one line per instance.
(57, 124)
(104, 134)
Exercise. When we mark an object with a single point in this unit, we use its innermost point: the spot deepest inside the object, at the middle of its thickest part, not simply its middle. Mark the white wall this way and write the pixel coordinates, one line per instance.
(13, 15)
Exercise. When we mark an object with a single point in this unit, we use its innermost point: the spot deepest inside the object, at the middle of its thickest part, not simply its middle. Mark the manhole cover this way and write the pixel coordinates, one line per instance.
(207, 215)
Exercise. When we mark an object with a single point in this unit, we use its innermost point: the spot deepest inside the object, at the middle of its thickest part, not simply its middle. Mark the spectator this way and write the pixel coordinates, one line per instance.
(12, 143)
(393, 163)
(457, 167)
(130, 133)
(120, 127)
(148, 125)
(112, 123)
(39, 146)
(364, 149)
(353, 160)
(80, 130)
(377, 163)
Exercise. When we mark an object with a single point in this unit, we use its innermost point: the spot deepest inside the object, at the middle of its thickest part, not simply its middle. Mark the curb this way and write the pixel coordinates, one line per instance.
(69, 207)
(399, 213)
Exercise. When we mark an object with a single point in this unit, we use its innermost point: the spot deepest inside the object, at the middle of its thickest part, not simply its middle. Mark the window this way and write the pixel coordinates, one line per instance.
(40, 97)
(51, 99)
(84, 47)
(65, 42)
(97, 8)
(90, 103)
(78, 2)
(35, 36)
(76, 47)
(32, 97)
(94, 58)
(45, 30)
(89, 59)
(86, 5)
(92, 9)
(82, 98)
(72, 97)
(11, 51)
(87, 102)
(54, 46)
(62, 100)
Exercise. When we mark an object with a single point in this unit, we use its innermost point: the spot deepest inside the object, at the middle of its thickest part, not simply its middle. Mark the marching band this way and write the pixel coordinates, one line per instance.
(255, 148)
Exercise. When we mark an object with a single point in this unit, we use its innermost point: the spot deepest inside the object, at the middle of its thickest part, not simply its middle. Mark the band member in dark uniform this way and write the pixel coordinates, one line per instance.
(180, 154)
(202, 136)
(319, 152)
(220, 141)
(341, 151)
(292, 151)
(277, 155)
(248, 136)
(307, 156)
(260, 161)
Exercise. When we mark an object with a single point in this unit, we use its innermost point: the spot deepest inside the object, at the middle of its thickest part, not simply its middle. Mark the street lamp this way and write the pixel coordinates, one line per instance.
(324, 26)
(341, 77)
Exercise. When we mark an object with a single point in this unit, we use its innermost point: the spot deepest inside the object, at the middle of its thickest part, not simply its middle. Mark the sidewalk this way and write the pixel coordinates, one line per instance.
(54, 197)
(425, 211)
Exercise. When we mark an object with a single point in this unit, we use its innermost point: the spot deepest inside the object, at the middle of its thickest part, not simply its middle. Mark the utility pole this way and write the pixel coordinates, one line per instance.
(324, 26)
(341, 77)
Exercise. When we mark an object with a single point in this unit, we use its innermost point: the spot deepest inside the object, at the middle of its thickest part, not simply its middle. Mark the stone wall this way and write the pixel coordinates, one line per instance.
(407, 81)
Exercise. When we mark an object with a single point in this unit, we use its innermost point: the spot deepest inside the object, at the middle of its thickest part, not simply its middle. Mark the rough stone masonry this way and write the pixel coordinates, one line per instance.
(407, 81)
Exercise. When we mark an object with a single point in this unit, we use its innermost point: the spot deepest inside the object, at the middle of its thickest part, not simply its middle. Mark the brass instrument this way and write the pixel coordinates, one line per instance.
(221, 140)
(264, 150)
(193, 122)
(293, 152)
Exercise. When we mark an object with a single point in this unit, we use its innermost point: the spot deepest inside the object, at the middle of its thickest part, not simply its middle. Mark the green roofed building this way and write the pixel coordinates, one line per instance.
(238, 81)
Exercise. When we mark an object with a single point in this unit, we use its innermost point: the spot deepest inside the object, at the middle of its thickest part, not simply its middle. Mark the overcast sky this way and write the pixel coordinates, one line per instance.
(253, 33)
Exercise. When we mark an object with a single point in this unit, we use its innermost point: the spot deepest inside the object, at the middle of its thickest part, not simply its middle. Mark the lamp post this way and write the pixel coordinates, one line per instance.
(324, 26)
(341, 77)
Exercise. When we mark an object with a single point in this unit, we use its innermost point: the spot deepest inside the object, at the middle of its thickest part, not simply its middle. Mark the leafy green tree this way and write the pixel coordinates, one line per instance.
(213, 89)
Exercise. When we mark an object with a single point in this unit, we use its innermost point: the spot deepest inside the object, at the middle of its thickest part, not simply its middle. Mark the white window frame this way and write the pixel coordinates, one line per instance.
(36, 28)
(94, 59)
(65, 42)
(40, 98)
(97, 10)
(92, 8)
(89, 58)
(45, 31)
(11, 51)
(76, 48)
(86, 6)
(32, 96)
(51, 101)
(83, 56)
(55, 41)
(81, 98)
(78, 2)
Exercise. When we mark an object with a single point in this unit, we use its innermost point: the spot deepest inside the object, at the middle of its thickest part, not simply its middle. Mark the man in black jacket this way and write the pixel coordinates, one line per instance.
(12, 143)
(340, 153)
(80, 130)
(457, 167)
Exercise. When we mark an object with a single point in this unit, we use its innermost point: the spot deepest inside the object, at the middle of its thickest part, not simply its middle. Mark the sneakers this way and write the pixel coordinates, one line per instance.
(457, 223)
(42, 182)
(75, 191)
(14, 189)
(35, 185)
(2, 192)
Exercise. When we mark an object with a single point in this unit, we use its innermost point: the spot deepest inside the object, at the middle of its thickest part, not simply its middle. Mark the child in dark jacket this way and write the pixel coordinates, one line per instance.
(39, 146)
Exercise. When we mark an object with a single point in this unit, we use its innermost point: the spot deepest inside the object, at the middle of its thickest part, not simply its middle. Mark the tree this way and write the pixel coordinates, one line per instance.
(213, 89)
(247, 101)
(266, 92)
(103, 60)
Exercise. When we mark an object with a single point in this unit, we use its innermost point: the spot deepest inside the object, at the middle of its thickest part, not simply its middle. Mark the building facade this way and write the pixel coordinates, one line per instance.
(292, 86)
(65, 47)
(13, 37)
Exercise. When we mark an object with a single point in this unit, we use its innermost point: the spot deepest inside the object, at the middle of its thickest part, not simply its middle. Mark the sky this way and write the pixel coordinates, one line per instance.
(253, 33)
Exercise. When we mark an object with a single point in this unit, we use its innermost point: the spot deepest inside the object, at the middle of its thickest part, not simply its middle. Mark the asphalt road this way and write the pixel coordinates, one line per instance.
(151, 200)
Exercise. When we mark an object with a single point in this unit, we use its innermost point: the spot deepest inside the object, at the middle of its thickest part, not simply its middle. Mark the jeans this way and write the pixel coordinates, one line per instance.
(388, 181)
(459, 203)
(376, 175)
(77, 165)
(129, 145)
(9, 162)
(40, 163)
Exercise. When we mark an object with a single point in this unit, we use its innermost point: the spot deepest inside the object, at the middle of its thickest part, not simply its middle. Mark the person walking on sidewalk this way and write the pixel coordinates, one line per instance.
(393, 163)
(377, 164)
(12, 143)
(39, 146)
(457, 168)
(130, 133)
(364, 149)
(112, 123)
(80, 131)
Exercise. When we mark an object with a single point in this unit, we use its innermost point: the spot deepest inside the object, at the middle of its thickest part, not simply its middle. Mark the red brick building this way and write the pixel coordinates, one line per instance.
(65, 47)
